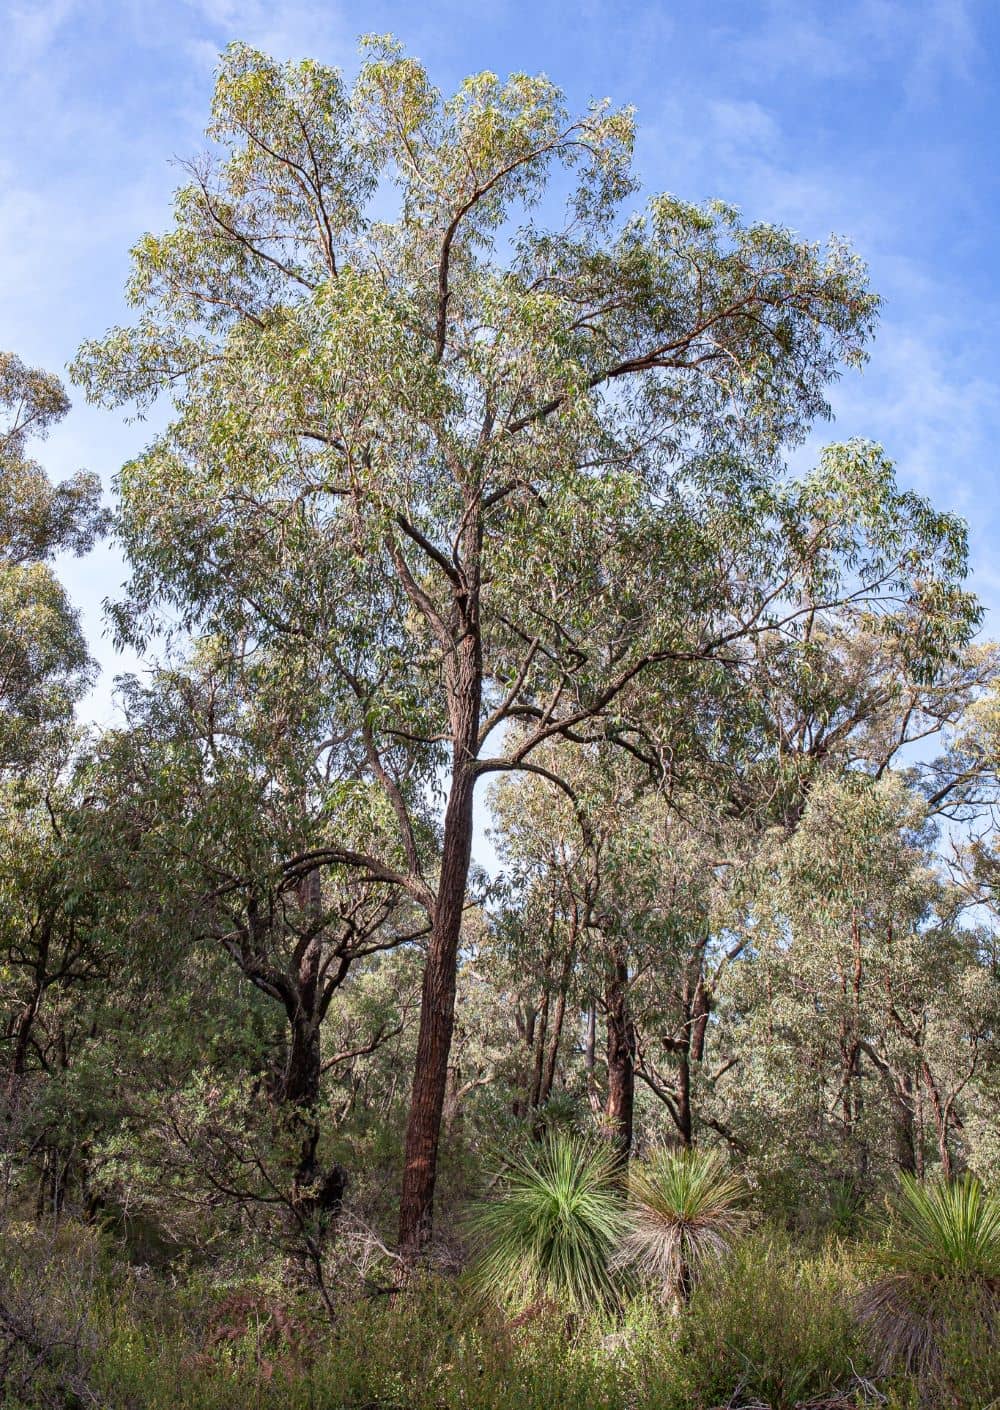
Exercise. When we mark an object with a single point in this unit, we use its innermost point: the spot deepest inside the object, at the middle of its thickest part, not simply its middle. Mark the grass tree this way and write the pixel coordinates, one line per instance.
(685, 1210)
(553, 1230)
(942, 1262)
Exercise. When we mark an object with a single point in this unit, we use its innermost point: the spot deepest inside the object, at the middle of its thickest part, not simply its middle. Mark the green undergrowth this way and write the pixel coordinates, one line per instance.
(772, 1326)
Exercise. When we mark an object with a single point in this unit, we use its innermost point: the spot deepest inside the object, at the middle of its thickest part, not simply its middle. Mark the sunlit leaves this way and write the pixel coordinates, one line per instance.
(44, 665)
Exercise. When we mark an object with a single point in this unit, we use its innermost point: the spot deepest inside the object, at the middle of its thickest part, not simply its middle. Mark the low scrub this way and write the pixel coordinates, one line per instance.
(771, 1326)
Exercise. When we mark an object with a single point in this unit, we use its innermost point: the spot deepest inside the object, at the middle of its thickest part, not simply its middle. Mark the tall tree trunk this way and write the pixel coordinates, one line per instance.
(590, 1059)
(552, 1057)
(683, 1117)
(899, 1091)
(437, 1019)
(25, 1022)
(620, 1106)
(940, 1112)
(690, 1048)
(538, 1059)
(903, 1126)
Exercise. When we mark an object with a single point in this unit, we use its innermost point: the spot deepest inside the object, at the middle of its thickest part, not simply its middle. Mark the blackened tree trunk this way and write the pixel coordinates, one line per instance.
(692, 1049)
(316, 1194)
(620, 1105)
(538, 1056)
(683, 1116)
(904, 1126)
(558, 1018)
(24, 1024)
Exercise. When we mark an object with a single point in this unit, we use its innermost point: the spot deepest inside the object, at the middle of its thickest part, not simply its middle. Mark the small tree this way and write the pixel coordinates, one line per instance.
(685, 1210)
(553, 1229)
(943, 1261)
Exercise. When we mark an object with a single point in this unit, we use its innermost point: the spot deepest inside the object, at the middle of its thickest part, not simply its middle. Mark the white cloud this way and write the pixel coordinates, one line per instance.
(928, 40)
(741, 124)
(934, 414)
(946, 47)
(31, 28)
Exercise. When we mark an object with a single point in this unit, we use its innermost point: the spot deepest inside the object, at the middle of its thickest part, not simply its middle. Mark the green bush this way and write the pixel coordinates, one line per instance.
(770, 1326)
(434, 1349)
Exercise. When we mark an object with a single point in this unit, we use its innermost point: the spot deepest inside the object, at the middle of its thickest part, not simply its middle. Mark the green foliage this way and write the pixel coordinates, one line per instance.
(770, 1326)
(553, 1229)
(684, 1212)
(446, 492)
(46, 667)
(946, 1228)
(943, 1260)
(773, 1326)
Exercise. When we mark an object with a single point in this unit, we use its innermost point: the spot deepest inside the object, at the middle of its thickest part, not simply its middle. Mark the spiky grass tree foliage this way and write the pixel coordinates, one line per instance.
(943, 1264)
(685, 1209)
(552, 1231)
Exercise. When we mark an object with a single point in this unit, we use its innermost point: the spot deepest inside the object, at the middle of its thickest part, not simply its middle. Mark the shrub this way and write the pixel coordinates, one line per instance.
(552, 1231)
(768, 1326)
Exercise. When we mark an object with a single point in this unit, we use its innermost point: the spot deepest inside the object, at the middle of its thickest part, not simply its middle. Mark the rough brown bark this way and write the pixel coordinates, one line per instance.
(620, 1105)
(437, 1022)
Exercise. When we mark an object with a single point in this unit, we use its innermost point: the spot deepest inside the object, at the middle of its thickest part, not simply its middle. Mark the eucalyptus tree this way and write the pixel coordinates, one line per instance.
(842, 696)
(47, 917)
(49, 931)
(44, 663)
(479, 466)
(234, 795)
(658, 855)
(60, 915)
(866, 1013)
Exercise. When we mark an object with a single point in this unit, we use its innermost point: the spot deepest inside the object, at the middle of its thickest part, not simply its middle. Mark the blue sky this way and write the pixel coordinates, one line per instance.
(867, 118)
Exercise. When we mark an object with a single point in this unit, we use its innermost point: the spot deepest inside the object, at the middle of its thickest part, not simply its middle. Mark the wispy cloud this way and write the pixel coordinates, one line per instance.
(31, 28)
(927, 40)
(946, 46)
